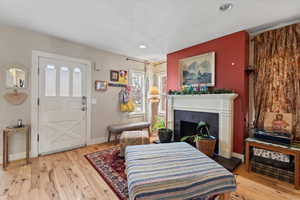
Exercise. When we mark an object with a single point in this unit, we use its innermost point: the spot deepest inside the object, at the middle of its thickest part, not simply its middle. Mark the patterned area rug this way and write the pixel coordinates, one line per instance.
(112, 169)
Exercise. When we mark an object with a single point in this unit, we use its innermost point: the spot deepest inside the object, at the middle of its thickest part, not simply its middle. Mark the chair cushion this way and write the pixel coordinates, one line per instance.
(119, 128)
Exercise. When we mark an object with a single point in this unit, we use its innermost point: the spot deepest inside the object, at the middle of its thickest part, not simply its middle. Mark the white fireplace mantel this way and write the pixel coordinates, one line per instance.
(211, 103)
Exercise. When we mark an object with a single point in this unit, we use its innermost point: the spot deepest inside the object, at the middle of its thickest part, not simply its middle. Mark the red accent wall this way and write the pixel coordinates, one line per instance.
(232, 58)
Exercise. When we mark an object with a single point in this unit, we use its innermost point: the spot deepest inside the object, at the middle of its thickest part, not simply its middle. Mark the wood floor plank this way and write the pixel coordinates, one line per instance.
(48, 189)
(69, 176)
(92, 175)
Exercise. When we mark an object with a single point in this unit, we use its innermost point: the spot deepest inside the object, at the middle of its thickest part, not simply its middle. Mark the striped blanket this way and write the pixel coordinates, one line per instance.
(174, 171)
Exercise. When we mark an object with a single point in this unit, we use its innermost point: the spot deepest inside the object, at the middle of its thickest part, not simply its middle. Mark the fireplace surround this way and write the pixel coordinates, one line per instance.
(207, 104)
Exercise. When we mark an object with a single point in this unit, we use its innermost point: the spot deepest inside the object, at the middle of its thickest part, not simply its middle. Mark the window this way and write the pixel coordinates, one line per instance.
(77, 85)
(162, 86)
(50, 80)
(137, 82)
(64, 82)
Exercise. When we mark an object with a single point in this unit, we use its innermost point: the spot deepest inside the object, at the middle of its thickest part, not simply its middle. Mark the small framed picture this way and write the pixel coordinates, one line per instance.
(101, 85)
(114, 75)
(278, 122)
(123, 77)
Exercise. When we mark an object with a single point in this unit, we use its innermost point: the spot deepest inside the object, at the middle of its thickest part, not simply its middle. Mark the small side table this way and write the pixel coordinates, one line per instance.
(6, 133)
(289, 150)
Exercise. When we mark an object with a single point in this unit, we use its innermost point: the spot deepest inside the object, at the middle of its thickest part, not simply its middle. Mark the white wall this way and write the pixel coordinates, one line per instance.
(16, 47)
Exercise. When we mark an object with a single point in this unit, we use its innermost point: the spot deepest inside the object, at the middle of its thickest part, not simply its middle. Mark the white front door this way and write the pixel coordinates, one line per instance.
(62, 105)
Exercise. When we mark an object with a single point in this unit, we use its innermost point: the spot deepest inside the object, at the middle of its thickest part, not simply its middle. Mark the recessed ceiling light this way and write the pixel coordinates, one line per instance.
(142, 46)
(225, 7)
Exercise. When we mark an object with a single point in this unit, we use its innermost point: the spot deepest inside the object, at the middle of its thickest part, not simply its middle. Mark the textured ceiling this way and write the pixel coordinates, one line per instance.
(164, 26)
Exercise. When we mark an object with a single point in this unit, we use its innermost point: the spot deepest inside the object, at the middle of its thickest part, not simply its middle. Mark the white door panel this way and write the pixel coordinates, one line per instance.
(62, 115)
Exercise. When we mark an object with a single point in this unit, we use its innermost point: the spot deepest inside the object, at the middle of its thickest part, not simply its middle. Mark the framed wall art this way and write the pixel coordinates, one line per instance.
(101, 85)
(123, 77)
(278, 122)
(114, 76)
(198, 70)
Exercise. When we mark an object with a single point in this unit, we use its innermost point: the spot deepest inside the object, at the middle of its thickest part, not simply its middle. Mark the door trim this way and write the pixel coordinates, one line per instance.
(35, 94)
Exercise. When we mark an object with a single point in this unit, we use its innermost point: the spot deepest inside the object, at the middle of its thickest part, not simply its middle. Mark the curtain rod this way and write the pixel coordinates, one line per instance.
(131, 59)
(268, 27)
(159, 63)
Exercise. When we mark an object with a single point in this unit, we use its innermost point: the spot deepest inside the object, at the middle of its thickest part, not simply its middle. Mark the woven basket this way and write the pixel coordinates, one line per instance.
(207, 146)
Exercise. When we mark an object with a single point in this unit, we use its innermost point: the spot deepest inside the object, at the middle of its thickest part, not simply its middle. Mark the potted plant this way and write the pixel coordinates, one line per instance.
(165, 134)
(204, 141)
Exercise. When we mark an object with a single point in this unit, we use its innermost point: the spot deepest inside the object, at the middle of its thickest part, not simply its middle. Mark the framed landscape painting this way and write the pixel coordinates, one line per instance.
(198, 70)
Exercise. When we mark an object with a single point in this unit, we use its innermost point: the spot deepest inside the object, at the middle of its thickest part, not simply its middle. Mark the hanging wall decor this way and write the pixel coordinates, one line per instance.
(15, 97)
(198, 70)
(16, 77)
(114, 75)
(120, 76)
(123, 77)
(101, 85)
(126, 103)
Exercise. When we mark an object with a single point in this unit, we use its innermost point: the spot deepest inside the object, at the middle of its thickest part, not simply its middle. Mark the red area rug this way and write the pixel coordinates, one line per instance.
(112, 169)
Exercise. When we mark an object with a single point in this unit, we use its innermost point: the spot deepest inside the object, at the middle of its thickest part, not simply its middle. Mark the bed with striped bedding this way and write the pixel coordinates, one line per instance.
(174, 171)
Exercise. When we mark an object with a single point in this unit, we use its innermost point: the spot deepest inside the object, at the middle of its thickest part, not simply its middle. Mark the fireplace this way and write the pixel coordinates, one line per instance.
(215, 109)
(185, 124)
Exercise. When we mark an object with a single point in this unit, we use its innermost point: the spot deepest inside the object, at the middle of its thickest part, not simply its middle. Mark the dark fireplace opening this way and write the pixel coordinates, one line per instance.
(186, 122)
(188, 129)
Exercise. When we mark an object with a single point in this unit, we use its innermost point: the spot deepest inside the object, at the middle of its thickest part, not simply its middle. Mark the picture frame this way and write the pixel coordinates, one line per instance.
(198, 70)
(278, 122)
(114, 76)
(123, 77)
(101, 85)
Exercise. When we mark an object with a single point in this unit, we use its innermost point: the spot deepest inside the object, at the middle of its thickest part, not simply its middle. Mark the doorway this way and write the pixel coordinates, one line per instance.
(63, 103)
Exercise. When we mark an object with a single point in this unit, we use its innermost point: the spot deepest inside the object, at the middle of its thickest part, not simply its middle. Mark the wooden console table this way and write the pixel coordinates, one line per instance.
(9, 131)
(252, 142)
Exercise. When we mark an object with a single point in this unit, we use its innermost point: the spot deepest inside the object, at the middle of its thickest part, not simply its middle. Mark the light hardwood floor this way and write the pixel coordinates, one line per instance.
(69, 176)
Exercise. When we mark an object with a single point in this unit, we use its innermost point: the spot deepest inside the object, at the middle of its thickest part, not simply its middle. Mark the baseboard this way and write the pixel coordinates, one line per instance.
(97, 141)
(22, 155)
(238, 155)
(15, 156)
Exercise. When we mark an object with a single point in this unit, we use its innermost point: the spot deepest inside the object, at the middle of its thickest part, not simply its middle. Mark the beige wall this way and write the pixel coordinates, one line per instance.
(16, 47)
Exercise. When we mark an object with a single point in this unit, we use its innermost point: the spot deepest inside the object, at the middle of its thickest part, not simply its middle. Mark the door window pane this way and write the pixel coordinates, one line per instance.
(77, 83)
(64, 82)
(50, 80)
(137, 91)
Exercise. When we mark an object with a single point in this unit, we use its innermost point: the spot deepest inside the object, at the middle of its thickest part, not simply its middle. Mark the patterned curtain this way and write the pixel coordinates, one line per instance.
(277, 74)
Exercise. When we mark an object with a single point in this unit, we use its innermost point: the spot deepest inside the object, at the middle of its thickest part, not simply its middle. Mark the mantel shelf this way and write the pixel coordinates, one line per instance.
(227, 95)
